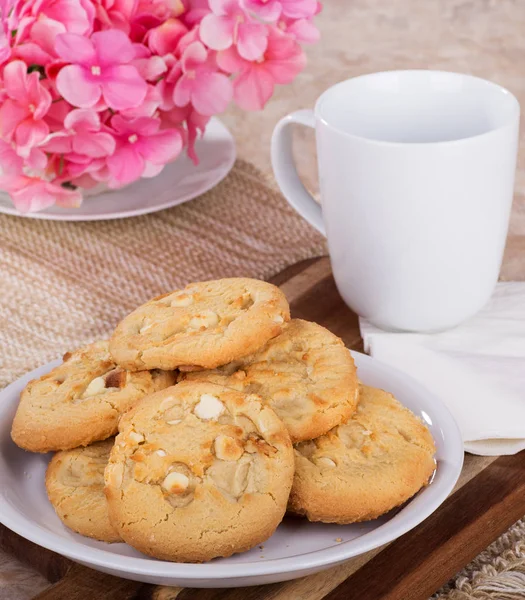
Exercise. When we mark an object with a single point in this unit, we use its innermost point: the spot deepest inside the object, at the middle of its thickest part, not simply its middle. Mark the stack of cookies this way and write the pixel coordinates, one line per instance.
(226, 415)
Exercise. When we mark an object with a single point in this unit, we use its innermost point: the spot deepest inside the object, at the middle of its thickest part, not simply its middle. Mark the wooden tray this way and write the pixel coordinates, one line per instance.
(488, 498)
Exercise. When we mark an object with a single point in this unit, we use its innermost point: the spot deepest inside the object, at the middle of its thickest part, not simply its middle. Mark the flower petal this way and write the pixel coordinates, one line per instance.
(28, 134)
(15, 75)
(11, 114)
(150, 68)
(265, 10)
(125, 165)
(299, 9)
(75, 48)
(151, 102)
(230, 61)
(211, 93)
(164, 38)
(123, 87)
(194, 56)
(31, 195)
(113, 47)
(216, 32)
(161, 148)
(71, 13)
(182, 91)
(82, 119)
(151, 170)
(95, 145)
(75, 85)
(253, 89)
(303, 30)
(252, 40)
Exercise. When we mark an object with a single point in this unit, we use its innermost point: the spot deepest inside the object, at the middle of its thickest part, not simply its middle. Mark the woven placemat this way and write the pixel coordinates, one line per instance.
(64, 284)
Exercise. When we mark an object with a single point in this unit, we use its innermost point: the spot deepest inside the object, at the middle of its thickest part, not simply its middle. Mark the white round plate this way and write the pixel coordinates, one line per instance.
(296, 549)
(179, 182)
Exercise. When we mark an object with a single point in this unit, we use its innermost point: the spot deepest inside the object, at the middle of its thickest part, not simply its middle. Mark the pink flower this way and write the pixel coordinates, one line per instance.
(148, 108)
(229, 25)
(82, 136)
(22, 113)
(190, 123)
(164, 38)
(72, 16)
(207, 90)
(162, 9)
(6, 6)
(302, 30)
(282, 61)
(115, 14)
(100, 69)
(142, 148)
(30, 194)
(11, 165)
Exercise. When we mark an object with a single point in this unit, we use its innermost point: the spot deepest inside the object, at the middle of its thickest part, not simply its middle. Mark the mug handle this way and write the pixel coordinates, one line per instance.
(285, 171)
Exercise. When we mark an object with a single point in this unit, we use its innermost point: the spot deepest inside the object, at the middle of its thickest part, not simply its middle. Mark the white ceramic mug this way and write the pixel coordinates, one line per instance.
(416, 173)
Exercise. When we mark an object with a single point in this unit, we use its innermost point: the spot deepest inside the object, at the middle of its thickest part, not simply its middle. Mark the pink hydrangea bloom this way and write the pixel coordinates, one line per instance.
(141, 145)
(115, 14)
(228, 25)
(22, 112)
(281, 63)
(82, 135)
(208, 91)
(100, 68)
(108, 91)
(31, 194)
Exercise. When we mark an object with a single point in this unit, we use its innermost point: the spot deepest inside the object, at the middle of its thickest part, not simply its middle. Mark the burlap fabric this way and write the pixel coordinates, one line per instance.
(64, 284)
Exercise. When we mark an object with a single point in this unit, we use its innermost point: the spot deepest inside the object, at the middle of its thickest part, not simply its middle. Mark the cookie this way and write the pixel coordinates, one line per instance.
(198, 471)
(306, 375)
(80, 401)
(75, 488)
(376, 461)
(204, 325)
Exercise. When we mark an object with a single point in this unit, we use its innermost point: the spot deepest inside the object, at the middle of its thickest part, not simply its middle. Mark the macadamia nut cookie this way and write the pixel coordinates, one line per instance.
(198, 471)
(204, 325)
(376, 461)
(80, 401)
(306, 375)
(75, 487)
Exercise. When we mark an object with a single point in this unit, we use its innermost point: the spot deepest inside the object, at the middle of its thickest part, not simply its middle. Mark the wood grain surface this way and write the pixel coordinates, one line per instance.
(489, 497)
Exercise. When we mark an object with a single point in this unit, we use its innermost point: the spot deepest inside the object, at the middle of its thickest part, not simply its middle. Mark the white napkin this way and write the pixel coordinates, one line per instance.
(477, 369)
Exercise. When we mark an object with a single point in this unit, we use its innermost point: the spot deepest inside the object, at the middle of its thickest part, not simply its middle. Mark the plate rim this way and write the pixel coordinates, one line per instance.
(137, 212)
(449, 469)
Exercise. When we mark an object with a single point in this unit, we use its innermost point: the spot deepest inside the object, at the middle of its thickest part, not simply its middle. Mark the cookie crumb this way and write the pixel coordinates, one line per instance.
(261, 546)
(338, 540)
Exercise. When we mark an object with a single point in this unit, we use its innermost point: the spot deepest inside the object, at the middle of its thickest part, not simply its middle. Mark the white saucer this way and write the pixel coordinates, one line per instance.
(296, 549)
(179, 181)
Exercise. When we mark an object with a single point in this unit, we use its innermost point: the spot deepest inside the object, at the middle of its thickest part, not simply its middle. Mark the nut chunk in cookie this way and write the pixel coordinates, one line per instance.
(80, 401)
(306, 375)
(203, 326)
(198, 471)
(75, 488)
(374, 462)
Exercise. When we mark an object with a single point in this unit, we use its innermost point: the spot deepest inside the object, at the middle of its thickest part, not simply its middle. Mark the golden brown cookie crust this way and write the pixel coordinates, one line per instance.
(205, 325)
(75, 488)
(198, 471)
(306, 375)
(80, 401)
(362, 469)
